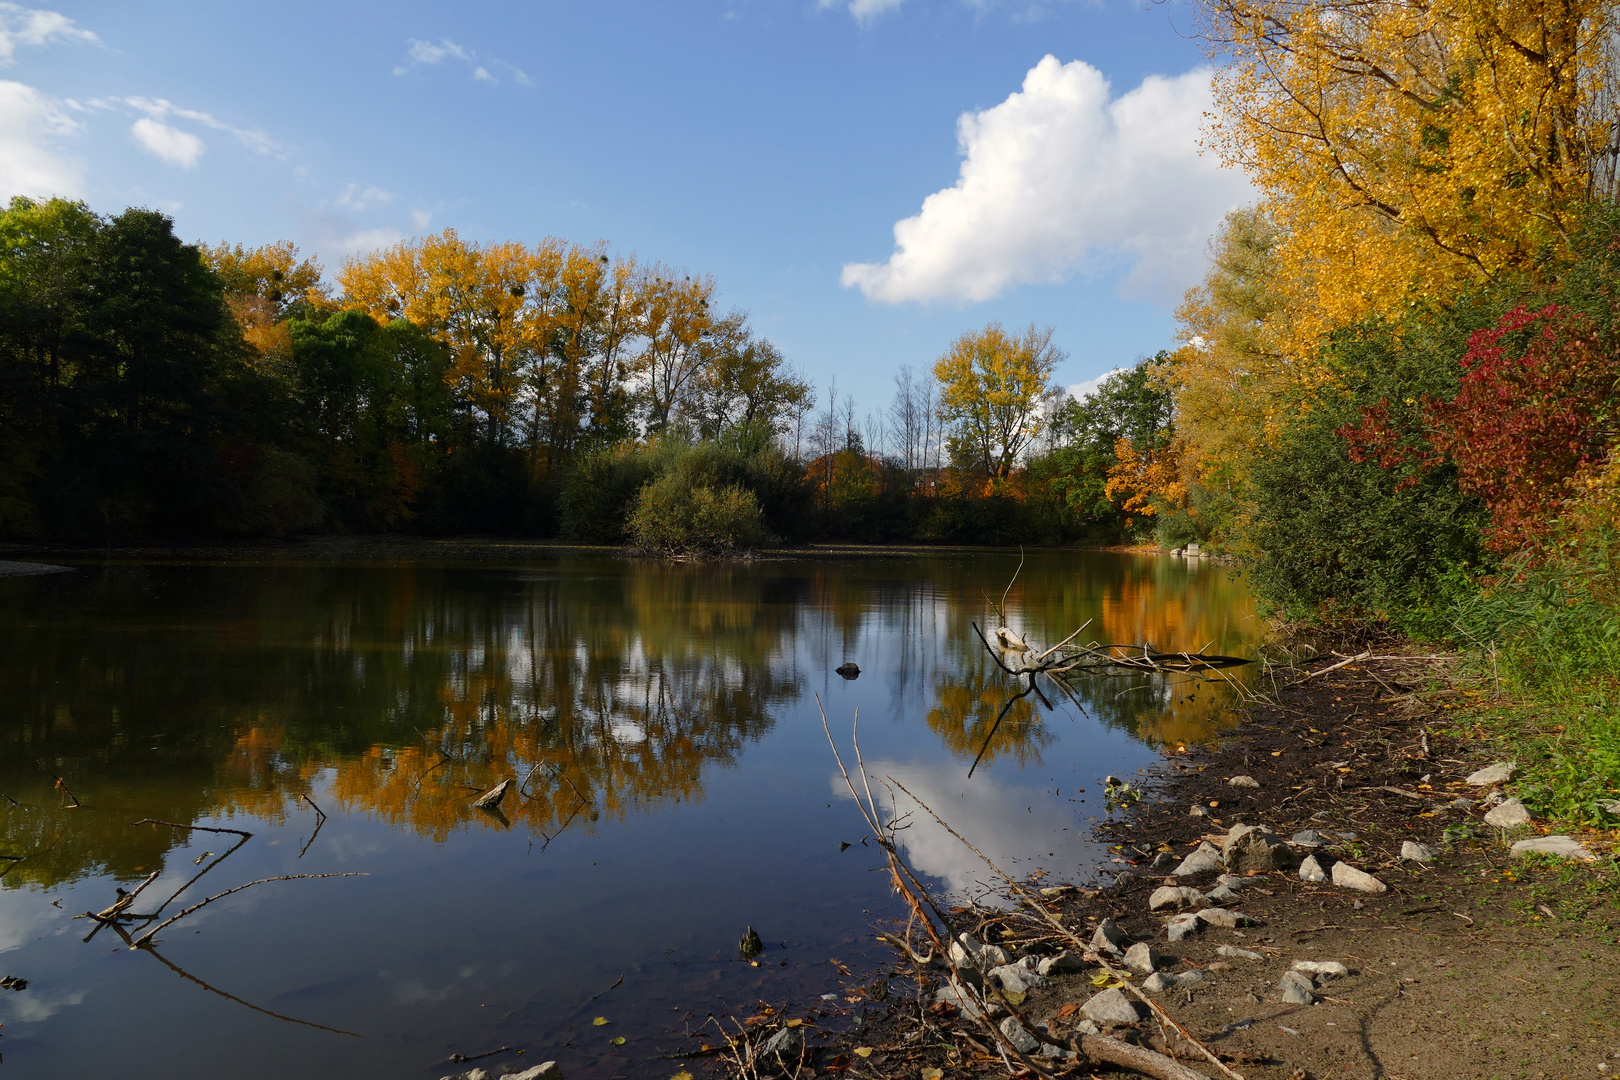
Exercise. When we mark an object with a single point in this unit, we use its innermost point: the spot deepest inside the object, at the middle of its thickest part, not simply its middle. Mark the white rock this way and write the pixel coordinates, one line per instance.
(1183, 926)
(1064, 963)
(1330, 969)
(1143, 958)
(1508, 813)
(1201, 860)
(1108, 938)
(1416, 852)
(1017, 978)
(1022, 1040)
(1235, 953)
(1295, 988)
(1231, 881)
(1311, 870)
(1180, 896)
(1348, 877)
(1244, 782)
(1611, 806)
(954, 994)
(1110, 1007)
(1565, 846)
(1199, 811)
(1500, 773)
(546, 1070)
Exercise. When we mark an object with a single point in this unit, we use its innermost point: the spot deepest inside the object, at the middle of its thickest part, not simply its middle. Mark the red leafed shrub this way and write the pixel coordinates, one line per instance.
(1534, 410)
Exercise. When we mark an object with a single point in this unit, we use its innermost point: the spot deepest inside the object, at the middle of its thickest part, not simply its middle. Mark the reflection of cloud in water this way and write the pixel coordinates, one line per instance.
(1023, 828)
(29, 1007)
(22, 919)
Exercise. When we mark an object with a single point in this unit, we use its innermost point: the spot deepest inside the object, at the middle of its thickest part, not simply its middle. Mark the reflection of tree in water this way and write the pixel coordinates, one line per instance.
(965, 708)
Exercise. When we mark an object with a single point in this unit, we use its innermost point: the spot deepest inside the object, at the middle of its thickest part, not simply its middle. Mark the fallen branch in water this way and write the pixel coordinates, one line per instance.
(320, 819)
(245, 837)
(144, 940)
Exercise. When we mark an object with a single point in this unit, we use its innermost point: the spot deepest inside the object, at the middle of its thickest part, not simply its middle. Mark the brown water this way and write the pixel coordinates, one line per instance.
(672, 786)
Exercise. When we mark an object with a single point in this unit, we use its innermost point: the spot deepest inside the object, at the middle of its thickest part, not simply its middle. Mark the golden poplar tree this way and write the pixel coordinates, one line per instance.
(992, 385)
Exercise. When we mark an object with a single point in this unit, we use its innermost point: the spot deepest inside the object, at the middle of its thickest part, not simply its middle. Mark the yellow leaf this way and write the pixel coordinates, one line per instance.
(792, 1023)
(682, 1075)
(601, 1021)
(863, 1051)
(1013, 997)
(933, 1074)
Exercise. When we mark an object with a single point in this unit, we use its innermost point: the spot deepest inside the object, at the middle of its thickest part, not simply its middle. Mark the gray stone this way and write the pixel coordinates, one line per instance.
(1416, 852)
(1201, 860)
(1232, 952)
(1064, 963)
(1295, 988)
(1229, 920)
(1231, 881)
(1500, 773)
(1609, 806)
(955, 994)
(1251, 847)
(1017, 978)
(1086, 1027)
(1160, 981)
(968, 952)
(1183, 927)
(1461, 802)
(1110, 1007)
(1163, 861)
(1143, 958)
(1179, 896)
(1326, 969)
(546, 1070)
(1022, 1040)
(1348, 877)
(1508, 813)
(785, 1046)
(1308, 838)
(1108, 938)
(1125, 878)
(1222, 894)
(1562, 846)
(1244, 782)
(1311, 870)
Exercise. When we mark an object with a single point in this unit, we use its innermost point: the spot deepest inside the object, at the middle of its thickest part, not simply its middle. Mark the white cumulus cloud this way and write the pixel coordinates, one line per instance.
(160, 109)
(166, 143)
(31, 124)
(30, 26)
(1060, 175)
(1082, 390)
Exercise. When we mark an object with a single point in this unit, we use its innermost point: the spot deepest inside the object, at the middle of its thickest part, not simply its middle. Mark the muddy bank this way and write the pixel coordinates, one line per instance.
(1459, 959)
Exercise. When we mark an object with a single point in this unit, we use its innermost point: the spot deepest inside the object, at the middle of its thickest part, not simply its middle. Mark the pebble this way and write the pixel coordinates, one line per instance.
(1160, 981)
(1064, 963)
(1461, 802)
(1221, 917)
(953, 994)
(1222, 894)
(1180, 896)
(1197, 811)
(1183, 926)
(1110, 1007)
(1416, 852)
(1508, 813)
(1251, 847)
(1311, 870)
(1022, 1040)
(1108, 937)
(1296, 988)
(1564, 846)
(1163, 861)
(1500, 773)
(1231, 881)
(1235, 953)
(1324, 968)
(1201, 860)
(1244, 782)
(1307, 838)
(1018, 978)
(1143, 958)
(1348, 877)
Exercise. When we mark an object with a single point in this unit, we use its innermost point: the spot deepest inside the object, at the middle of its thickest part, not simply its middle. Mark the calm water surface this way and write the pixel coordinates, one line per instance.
(673, 785)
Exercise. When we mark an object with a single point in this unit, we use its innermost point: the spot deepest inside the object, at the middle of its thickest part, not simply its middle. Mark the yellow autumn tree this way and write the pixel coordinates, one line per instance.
(992, 386)
(262, 286)
(1407, 146)
(1146, 480)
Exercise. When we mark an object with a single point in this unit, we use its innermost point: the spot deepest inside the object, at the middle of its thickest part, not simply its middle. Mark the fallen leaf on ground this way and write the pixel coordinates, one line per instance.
(863, 1051)
(1067, 1011)
(601, 1021)
(618, 1040)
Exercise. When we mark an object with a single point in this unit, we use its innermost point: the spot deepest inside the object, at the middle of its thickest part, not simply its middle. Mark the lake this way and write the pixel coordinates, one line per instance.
(671, 786)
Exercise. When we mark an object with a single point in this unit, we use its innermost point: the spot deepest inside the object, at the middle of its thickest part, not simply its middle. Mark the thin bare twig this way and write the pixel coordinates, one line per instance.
(145, 939)
(320, 819)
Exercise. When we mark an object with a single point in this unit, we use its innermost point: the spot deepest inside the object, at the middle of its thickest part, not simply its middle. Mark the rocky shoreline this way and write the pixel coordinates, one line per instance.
(1343, 886)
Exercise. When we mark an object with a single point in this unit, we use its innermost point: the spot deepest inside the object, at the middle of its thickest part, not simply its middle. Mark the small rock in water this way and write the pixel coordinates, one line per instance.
(1064, 963)
(1180, 896)
(1110, 1007)
(1500, 773)
(1143, 958)
(1330, 969)
(1221, 917)
(1311, 870)
(1307, 838)
(1508, 813)
(1250, 847)
(1563, 846)
(1416, 852)
(1183, 926)
(1244, 782)
(1022, 1040)
(1348, 877)
(1295, 988)
(848, 669)
(1203, 859)
(1108, 937)
(1236, 953)
(750, 945)
(1058, 892)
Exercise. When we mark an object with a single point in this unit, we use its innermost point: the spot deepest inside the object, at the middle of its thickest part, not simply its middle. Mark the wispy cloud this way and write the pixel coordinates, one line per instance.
(36, 28)
(31, 125)
(161, 109)
(427, 53)
(357, 198)
(180, 148)
(864, 11)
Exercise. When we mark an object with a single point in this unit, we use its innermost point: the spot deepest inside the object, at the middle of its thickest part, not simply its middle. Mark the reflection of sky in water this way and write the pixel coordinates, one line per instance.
(671, 787)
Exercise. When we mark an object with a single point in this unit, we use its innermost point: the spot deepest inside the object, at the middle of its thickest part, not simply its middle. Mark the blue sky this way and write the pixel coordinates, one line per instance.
(775, 144)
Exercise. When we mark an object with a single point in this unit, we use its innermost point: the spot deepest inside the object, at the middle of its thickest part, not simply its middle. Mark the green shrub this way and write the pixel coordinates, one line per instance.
(672, 514)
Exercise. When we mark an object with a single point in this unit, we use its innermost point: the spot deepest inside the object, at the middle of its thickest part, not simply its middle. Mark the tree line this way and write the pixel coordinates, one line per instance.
(153, 388)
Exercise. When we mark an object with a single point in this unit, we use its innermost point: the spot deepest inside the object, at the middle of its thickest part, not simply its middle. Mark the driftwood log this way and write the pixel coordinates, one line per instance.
(1101, 1048)
(491, 799)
